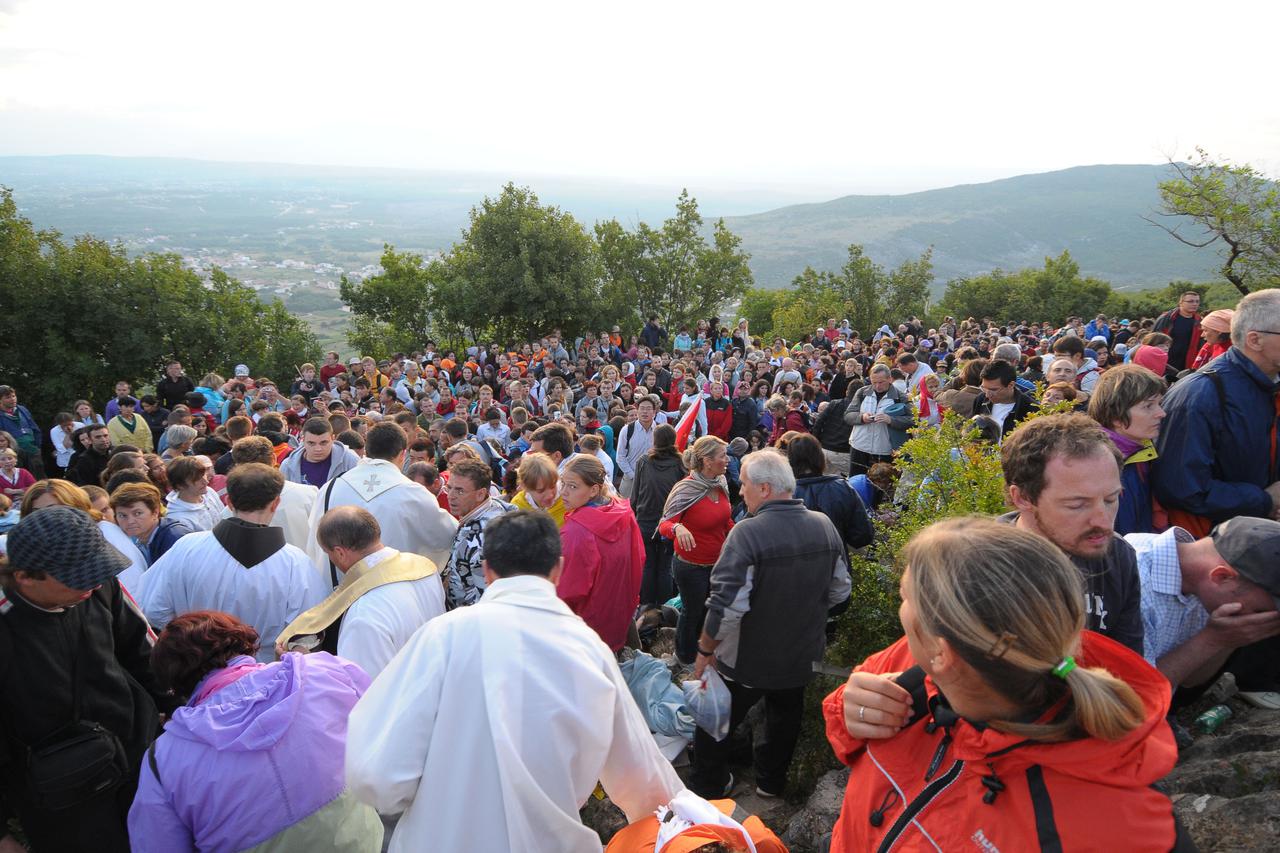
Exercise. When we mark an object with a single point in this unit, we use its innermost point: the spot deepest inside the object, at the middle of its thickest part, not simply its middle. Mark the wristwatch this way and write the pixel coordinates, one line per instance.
(705, 653)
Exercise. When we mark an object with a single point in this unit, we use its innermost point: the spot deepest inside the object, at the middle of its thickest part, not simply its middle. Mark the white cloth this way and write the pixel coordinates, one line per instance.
(514, 697)
(922, 370)
(410, 518)
(197, 573)
(872, 438)
(1000, 411)
(132, 577)
(380, 622)
(195, 516)
(61, 455)
(293, 515)
(687, 810)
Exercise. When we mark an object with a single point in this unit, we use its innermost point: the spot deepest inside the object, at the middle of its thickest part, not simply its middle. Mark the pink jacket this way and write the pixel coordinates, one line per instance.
(603, 563)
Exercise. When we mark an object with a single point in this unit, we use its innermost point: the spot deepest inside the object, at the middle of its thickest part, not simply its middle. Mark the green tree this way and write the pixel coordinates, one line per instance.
(672, 272)
(521, 270)
(1233, 208)
(393, 310)
(1052, 292)
(757, 307)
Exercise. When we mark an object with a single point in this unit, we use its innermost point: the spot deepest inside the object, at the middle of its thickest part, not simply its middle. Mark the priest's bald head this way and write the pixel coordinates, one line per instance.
(524, 542)
(348, 534)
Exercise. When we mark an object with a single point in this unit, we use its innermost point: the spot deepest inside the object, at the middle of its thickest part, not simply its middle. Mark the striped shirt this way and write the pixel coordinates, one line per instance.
(1169, 618)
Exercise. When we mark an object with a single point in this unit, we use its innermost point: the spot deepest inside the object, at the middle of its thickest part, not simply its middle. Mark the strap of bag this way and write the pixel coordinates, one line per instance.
(77, 672)
(328, 493)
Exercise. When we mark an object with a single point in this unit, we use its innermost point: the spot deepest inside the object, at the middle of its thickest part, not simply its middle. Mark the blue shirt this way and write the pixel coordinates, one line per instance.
(1169, 618)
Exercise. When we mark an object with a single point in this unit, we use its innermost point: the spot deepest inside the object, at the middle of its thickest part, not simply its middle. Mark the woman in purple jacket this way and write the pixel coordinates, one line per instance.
(254, 760)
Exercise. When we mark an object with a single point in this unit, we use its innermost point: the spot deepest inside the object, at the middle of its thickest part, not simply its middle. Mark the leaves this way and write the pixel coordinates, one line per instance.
(1051, 293)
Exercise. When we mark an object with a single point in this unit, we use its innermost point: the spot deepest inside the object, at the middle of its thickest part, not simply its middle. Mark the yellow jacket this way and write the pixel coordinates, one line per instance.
(139, 436)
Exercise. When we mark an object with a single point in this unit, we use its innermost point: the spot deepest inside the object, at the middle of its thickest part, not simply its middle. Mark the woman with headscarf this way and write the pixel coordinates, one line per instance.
(1216, 328)
(697, 517)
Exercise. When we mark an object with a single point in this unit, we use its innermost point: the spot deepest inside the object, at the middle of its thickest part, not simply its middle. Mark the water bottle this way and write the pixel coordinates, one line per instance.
(1210, 720)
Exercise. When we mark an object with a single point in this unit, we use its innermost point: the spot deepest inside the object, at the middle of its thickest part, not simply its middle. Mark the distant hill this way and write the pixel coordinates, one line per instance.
(1095, 212)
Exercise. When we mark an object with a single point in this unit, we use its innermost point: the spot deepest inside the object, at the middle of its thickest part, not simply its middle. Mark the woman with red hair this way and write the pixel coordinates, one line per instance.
(256, 754)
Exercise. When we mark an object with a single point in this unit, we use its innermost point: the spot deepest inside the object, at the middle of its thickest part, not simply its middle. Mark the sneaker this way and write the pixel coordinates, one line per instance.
(768, 795)
(1266, 700)
(728, 789)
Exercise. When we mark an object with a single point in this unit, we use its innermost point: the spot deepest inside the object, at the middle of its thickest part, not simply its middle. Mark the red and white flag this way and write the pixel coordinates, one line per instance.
(684, 427)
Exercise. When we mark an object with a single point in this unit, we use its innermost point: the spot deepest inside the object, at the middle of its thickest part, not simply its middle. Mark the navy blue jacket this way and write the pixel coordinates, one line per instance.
(1215, 450)
(21, 423)
(167, 532)
(835, 498)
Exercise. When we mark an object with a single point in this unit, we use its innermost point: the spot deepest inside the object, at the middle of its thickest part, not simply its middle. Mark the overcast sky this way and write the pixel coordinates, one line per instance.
(854, 97)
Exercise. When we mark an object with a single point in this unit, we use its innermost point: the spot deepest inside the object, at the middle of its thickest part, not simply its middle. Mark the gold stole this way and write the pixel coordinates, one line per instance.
(358, 580)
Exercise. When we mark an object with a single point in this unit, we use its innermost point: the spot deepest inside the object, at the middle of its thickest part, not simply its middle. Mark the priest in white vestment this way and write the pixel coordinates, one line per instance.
(242, 567)
(491, 727)
(410, 518)
(293, 515)
(384, 598)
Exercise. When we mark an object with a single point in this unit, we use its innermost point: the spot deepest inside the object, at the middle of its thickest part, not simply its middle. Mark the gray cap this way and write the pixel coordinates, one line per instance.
(1251, 546)
(66, 544)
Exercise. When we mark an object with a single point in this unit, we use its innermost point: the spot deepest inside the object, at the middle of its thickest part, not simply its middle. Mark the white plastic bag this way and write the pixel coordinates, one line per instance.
(709, 702)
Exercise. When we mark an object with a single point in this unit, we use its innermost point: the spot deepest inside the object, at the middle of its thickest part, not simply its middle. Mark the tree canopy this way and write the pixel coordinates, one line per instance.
(1233, 208)
(80, 315)
(1054, 291)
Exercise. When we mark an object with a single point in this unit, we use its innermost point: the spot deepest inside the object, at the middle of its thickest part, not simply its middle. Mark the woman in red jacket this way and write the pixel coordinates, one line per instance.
(697, 517)
(603, 551)
(997, 723)
(719, 412)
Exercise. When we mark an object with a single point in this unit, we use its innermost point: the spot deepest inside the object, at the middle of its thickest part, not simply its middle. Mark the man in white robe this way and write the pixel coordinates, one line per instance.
(408, 514)
(490, 728)
(242, 567)
(293, 515)
(384, 598)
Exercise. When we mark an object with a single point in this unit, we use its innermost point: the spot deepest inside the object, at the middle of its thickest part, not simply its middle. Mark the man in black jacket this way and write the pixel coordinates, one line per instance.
(70, 635)
(1002, 398)
(86, 467)
(831, 430)
(175, 386)
(779, 573)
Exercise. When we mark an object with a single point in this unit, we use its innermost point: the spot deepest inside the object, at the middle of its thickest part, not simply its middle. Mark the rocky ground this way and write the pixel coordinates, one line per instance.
(1225, 789)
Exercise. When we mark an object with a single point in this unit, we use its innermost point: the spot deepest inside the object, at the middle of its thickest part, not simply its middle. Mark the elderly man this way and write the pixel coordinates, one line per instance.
(1217, 455)
(384, 598)
(779, 573)
(868, 416)
(471, 504)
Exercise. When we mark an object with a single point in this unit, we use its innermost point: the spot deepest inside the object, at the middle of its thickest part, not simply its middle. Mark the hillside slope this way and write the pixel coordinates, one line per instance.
(1095, 212)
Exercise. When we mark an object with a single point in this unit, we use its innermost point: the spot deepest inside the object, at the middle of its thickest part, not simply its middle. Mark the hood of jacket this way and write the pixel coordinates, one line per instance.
(257, 710)
(609, 522)
(665, 464)
(1140, 758)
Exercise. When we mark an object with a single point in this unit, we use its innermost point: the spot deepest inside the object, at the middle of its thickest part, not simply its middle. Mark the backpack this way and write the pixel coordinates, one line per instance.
(492, 457)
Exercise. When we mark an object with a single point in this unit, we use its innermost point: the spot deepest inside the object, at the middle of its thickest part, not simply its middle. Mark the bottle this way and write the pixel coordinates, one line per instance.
(1210, 720)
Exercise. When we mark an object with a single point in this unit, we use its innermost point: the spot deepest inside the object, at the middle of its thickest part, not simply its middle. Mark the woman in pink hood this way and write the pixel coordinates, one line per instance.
(603, 552)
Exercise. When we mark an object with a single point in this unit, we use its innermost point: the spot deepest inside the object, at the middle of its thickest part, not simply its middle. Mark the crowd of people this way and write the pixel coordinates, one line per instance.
(388, 606)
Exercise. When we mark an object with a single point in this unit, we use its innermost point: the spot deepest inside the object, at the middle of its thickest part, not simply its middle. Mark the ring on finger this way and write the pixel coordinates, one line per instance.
(862, 713)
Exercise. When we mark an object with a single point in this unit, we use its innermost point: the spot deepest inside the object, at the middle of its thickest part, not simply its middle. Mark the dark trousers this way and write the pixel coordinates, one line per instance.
(694, 583)
(99, 824)
(859, 462)
(656, 584)
(1256, 666)
(772, 749)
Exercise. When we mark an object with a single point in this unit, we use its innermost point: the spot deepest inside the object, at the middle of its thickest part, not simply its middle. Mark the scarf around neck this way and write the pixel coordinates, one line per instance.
(690, 490)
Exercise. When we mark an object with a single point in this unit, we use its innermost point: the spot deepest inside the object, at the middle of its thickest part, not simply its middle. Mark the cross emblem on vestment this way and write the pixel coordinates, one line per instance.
(372, 481)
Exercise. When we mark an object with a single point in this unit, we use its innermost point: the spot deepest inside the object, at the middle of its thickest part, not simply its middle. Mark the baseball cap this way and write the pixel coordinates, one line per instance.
(355, 359)
(66, 544)
(1251, 546)
(241, 369)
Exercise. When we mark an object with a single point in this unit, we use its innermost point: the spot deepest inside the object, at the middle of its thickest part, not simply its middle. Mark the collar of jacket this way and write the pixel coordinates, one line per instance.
(1240, 360)
(780, 505)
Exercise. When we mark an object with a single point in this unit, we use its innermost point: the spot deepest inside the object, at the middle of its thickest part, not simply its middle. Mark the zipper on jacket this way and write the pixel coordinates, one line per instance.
(917, 805)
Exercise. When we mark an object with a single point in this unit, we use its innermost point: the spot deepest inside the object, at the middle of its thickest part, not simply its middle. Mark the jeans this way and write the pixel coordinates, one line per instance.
(772, 749)
(860, 462)
(694, 583)
(656, 585)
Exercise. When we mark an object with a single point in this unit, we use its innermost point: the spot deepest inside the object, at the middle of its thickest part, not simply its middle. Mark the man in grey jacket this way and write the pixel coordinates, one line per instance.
(320, 458)
(779, 573)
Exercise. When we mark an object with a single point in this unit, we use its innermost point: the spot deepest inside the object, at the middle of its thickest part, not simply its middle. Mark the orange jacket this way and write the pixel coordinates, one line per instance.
(997, 792)
(640, 836)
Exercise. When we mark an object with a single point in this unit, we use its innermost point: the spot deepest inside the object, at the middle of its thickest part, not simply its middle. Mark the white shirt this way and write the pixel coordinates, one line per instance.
(410, 518)
(380, 622)
(195, 516)
(62, 455)
(197, 573)
(1000, 411)
(514, 697)
(293, 515)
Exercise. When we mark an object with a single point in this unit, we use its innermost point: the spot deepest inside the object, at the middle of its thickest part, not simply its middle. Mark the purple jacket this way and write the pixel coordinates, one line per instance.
(256, 756)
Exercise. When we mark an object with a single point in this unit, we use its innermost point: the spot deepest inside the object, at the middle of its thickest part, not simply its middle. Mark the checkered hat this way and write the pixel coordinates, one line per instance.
(66, 544)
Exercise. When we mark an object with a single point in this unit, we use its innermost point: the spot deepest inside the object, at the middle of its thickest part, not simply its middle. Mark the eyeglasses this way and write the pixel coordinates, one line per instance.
(1264, 332)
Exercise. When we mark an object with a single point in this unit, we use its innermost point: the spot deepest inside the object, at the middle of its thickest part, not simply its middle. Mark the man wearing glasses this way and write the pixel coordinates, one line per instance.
(471, 503)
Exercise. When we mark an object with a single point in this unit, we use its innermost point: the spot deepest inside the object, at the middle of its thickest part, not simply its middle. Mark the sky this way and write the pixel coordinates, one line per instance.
(838, 98)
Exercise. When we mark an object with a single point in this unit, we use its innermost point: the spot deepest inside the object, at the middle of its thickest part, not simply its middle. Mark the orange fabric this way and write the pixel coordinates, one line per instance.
(1094, 786)
(641, 836)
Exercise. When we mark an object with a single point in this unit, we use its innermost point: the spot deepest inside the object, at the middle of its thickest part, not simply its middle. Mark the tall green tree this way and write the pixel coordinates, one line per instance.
(1051, 292)
(1235, 209)
(521, 270)
(673, 272)
(394, 310)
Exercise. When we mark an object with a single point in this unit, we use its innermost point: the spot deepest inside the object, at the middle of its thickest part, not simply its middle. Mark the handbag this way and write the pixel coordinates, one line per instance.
(80, 760)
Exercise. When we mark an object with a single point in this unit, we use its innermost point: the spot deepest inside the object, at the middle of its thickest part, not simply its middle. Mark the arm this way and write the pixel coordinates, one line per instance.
(390, 729)
(841, 583)
(154, 824)
(625, 464)
(732, 579)
(1203, 654)
(859, 533)
(581, 565)
(635, 775)
(870, 686)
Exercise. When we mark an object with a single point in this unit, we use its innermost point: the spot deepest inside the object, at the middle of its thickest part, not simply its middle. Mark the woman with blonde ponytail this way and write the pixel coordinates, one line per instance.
(997, 722)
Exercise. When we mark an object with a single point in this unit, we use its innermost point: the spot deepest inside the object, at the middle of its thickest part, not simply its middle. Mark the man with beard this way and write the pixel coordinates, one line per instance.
(87, 466)
(1063, 476)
